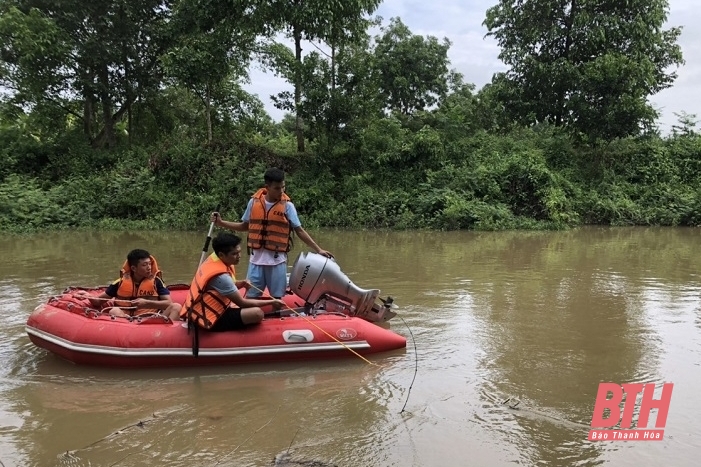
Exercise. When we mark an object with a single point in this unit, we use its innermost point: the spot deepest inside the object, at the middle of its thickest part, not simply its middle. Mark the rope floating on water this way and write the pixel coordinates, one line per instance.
(416, 364)
(320, 329)
(250, 436)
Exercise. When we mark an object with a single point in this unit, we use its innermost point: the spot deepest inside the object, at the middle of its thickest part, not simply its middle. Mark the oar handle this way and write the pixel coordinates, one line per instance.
(209, 238)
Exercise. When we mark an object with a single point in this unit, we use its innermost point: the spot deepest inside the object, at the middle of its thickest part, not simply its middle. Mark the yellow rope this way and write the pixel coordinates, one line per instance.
(322, 330)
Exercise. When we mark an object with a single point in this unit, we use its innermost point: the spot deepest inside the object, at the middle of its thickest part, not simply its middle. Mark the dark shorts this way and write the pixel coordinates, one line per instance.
(230, 320)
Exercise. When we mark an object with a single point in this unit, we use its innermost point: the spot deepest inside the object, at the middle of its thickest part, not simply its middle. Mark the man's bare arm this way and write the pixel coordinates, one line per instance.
(235, 226)
(306, 238)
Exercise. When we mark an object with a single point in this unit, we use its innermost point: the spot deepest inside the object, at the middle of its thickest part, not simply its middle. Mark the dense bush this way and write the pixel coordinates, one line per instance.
(394, 178)
(103, 127)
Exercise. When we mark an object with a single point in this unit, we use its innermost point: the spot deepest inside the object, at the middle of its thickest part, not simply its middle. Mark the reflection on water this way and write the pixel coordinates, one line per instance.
(176, 418)
(535, 317)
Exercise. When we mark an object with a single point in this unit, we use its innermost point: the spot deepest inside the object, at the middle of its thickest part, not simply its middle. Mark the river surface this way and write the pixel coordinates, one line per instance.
(539, 318)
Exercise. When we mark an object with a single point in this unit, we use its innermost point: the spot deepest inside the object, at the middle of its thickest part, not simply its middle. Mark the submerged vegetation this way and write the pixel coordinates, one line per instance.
(133, 114)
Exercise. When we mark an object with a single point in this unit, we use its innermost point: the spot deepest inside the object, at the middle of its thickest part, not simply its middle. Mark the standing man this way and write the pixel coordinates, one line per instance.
(270, 218)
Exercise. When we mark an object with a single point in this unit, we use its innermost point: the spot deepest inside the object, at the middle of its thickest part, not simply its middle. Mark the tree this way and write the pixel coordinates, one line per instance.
(589, 65)
(312, 20)
(338, 94)
(354, 100)
(686, 124)
(413, 70)
(213, 42)
(102, 55)
(457, 114)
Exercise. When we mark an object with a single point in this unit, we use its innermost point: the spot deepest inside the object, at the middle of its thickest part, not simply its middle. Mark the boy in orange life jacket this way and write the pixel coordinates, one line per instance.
(140, 286)
(270, 218)
(214, 289)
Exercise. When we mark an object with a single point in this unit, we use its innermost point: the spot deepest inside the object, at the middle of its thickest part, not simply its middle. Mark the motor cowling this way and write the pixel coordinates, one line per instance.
(316, 279)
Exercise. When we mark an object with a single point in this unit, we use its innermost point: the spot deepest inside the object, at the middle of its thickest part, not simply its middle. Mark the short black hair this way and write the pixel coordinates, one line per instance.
(224, 242)
(274, 174)
(135, 256)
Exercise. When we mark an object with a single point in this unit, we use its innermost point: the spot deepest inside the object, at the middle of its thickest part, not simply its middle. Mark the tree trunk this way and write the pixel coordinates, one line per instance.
(102, 137)
(331, 123)
(569, 22)
(127, 76)
(333, 66)
(106, 101)
(88, 111)
(208, 107)
(129, 117)
(129, 93)
(297, 34)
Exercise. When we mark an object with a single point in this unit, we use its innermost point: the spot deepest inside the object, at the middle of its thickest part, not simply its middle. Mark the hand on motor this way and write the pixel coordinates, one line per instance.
(325, 253)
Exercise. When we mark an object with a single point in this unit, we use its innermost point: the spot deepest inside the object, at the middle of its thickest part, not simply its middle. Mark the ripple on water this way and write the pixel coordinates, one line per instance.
(537, 317)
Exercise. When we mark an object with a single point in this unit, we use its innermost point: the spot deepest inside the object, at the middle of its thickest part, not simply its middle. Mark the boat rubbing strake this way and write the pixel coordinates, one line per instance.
(331, 315)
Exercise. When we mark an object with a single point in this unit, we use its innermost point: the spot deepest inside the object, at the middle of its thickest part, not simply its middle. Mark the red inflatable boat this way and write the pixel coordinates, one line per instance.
(328, 318)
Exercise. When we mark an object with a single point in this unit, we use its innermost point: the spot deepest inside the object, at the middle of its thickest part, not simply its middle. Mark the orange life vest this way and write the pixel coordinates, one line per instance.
(269, 229)
(128, 290)
(204, 306)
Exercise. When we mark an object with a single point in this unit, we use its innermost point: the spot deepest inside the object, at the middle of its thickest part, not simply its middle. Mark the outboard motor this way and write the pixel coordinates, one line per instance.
(319, 281)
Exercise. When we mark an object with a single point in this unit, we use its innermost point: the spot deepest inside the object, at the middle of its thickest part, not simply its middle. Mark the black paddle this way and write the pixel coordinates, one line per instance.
(196, 336)
(209, 239)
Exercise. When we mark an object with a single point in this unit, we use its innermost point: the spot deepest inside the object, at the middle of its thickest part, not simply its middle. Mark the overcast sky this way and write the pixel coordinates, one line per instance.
(475, 56)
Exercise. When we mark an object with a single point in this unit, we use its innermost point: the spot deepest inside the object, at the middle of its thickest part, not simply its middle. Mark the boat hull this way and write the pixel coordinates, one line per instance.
(88, 337)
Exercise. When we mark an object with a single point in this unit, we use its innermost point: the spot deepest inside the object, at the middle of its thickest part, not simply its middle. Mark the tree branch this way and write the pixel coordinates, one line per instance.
(45, 98)
(65, 109)
(317, 48)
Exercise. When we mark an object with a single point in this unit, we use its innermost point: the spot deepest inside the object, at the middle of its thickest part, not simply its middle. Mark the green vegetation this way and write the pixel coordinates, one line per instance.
(122, 114)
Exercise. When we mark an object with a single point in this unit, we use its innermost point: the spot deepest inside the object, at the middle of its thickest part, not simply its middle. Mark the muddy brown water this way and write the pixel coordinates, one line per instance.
(538, 317)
